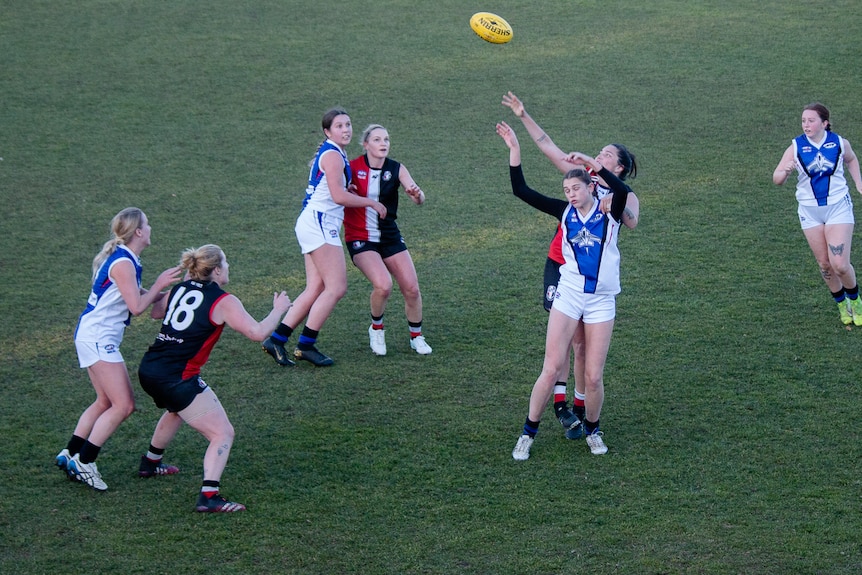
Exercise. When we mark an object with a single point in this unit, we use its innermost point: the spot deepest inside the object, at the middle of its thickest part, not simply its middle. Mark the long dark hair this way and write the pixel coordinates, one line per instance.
(627, 160)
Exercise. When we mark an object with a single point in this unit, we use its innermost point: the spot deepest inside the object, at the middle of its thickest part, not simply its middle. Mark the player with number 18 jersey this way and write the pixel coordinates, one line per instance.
(187, 334)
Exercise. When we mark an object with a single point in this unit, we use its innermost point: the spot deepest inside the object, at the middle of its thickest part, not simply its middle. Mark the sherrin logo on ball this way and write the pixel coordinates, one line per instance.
(491, 28)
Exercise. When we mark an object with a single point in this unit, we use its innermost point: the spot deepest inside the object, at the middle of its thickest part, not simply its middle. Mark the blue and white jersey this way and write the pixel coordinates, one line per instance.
(107, 315)
(820, 167)
(317, 195)
(590, 251)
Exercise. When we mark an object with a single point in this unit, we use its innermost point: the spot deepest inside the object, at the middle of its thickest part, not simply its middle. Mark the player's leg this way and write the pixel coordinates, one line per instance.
(401, 266)
(816, 237)
(371, 265)
(328, 265)
(559, 335)
(207, 416)
(151, 462)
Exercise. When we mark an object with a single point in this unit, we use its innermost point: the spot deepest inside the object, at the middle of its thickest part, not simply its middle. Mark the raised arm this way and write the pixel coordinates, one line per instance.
(550, 206)
(231, 311)
(538, 135)
(508, 134)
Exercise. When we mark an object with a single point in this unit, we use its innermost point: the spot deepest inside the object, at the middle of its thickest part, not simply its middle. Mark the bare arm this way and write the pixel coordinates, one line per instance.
(160, 305)
(785, 167)
(137, 299)
(632, 212)
(511, 139)
(333, 167)
(411, 187)
(542, 140)
(231, 311)
(851, 162)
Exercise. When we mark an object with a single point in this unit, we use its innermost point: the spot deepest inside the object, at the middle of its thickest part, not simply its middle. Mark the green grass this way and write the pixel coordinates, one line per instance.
(732, 405)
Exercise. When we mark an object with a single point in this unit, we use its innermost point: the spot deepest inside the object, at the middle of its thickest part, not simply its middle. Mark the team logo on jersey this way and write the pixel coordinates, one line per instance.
(361, 174)
(387, 175)
(585, 239)
(333, 233)
(551, 293)
(110, 348)
(358, 244)
(820, 164)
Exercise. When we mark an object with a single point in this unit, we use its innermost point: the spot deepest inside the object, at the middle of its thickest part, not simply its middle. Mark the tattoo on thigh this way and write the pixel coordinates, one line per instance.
(836, 250)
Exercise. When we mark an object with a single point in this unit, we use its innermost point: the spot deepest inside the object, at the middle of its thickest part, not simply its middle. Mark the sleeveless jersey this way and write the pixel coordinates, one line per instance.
(590, 250)
(317, 195)
(187, 334)
(381, 184)
(555, 251)
(107, 315)
(820, 180)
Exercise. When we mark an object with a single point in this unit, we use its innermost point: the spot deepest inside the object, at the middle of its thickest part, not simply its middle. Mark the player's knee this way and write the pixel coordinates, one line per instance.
(125, 408)
(593, 382)
(338, 291)
(224, 435)
(411, 292)
(383, 289)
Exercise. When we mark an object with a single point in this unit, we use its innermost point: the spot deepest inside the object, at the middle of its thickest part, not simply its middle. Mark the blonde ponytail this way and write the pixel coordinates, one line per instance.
(123, 227)
(200, 263)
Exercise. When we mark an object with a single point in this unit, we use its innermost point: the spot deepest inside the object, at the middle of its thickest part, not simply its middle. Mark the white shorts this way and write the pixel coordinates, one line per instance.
(840, 212)
(89, 352)
(589, 307)
(313, 229)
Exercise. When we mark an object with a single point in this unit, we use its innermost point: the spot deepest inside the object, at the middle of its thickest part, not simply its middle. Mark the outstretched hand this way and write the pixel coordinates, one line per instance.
(167, 277)
(416, 194)
(508, 134)
(579, 159)
(512, 102)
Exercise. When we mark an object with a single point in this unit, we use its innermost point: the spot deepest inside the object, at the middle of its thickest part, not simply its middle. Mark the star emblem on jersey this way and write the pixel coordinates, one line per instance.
(820, 164)
(585, 239)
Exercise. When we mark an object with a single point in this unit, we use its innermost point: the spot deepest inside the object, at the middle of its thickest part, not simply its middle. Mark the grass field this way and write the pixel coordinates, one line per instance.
(732, 392)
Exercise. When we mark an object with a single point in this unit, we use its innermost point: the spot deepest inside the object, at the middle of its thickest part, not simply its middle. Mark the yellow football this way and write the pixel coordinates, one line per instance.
(491, 28)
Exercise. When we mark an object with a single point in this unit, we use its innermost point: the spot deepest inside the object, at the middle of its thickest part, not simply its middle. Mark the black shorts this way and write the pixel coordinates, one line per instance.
(552, 278)
(173, 396)
(386, 248)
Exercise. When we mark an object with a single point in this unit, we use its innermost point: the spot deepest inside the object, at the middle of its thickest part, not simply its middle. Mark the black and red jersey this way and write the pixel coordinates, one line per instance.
(381, 184)
(187, 335)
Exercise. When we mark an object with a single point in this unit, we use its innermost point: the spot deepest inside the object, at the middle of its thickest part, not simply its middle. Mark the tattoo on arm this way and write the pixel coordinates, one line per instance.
(836, 250)
(542, 138)
(628, 216)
